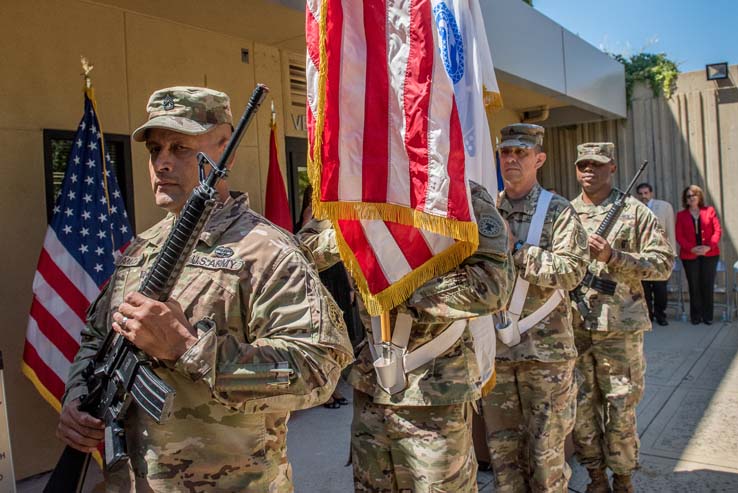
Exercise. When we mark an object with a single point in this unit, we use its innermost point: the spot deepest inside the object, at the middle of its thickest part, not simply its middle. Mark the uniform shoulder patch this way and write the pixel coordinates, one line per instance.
(489, 225)
(334, 313)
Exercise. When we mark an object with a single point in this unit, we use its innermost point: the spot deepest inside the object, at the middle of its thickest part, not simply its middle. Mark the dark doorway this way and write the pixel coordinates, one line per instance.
(297, 176)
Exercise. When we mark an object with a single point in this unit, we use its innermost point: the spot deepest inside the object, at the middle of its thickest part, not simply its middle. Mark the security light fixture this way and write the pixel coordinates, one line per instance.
(716, 71)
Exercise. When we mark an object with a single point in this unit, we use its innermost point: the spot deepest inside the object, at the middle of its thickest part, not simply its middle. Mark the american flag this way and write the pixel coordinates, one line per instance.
(397, 126)
(89, 225)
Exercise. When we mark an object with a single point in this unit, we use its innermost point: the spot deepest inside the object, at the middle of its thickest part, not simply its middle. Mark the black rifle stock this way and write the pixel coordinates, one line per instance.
(577, 295)
(120, 374)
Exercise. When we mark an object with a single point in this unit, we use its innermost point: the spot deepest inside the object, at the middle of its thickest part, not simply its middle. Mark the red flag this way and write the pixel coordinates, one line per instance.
(276, 208)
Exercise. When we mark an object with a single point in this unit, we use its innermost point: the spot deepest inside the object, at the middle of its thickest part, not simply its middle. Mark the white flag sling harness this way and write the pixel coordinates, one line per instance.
(509, 326)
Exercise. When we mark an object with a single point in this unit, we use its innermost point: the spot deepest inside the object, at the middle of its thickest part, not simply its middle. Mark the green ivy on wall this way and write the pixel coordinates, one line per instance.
(656, 70)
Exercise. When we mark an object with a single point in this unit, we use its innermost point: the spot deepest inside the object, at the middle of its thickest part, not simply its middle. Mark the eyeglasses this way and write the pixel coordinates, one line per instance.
(581, 166)
(689, 196)
(519, 152)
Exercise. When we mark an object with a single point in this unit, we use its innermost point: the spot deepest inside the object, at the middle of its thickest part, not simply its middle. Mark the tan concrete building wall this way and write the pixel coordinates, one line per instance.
(691, 138)
(133, 55)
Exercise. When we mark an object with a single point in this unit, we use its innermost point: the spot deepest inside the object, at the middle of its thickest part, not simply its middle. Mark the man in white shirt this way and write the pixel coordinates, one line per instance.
(655, 291)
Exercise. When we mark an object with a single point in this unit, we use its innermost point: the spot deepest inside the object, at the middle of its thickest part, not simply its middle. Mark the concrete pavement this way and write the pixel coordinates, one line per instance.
(688, 422)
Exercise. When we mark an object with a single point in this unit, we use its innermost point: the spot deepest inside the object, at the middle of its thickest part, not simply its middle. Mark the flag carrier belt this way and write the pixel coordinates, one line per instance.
(392, 372)
(509, 324)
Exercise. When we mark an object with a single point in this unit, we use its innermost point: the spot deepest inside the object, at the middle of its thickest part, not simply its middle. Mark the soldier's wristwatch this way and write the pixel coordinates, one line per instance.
(517, 246)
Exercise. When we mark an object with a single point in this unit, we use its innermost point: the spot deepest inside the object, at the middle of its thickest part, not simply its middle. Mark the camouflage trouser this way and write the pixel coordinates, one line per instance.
(528, 415)
(412, 449)
(181, 463)
(612, 367)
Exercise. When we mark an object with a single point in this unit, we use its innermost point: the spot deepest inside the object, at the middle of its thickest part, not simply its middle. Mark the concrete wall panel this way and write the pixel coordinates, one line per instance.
(592, 76)
(525, 43)
(42, 87)
(32, 421)
(689, 139)
(531, 49)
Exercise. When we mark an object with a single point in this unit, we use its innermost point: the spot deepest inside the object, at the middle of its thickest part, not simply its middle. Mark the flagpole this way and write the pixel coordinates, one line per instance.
(90, 93)
(386, 330)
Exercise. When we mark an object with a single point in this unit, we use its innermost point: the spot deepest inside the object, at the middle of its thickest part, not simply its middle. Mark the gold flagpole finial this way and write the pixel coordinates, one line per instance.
(274, 116)
(86, 69)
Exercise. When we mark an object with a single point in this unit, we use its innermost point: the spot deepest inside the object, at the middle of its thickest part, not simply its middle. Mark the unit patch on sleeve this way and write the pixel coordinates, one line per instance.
(489, 226)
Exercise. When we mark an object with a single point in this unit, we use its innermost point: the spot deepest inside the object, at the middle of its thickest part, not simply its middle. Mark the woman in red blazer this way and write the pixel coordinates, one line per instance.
(698, 234)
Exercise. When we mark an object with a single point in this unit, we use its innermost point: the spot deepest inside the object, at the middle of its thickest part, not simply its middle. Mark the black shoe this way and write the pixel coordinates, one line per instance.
(695, 321)
(708, 322)
(332, 404)
(662, 321)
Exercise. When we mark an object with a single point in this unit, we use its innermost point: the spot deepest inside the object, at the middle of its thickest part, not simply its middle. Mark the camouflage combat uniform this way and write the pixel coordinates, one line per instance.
(257, 304)
(610, 338)
(319, 241)
(530, 411)
(419, 439)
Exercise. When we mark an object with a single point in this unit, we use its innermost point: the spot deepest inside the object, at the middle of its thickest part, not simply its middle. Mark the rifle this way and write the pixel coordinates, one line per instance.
(605, 286)
(120, 374)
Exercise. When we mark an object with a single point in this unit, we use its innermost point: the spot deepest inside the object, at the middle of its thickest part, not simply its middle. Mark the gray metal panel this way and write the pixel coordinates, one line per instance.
(525, 43)
(592, 76)
(530, 49)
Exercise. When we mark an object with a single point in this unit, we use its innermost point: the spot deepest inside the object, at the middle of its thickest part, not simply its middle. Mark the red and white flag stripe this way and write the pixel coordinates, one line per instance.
(62, 292)
(391, 151)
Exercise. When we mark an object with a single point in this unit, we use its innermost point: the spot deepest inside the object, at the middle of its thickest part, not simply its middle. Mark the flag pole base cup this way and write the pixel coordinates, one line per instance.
(507, 331)
(389, 368)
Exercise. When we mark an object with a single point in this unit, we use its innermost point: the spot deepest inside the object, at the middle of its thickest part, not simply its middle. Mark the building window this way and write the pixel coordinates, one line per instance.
(57, 146)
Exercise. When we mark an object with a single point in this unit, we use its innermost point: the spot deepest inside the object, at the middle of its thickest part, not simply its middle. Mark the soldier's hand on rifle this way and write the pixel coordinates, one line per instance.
(599, 248)
(78, 429)
(160, 329)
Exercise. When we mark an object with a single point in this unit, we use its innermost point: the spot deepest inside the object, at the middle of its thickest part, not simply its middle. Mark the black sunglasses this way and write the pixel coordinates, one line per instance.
(581, 166)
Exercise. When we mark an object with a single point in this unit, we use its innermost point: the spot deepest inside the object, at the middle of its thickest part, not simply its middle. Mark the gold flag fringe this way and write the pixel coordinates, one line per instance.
(401, 290)
(465, 232)
(489, 384)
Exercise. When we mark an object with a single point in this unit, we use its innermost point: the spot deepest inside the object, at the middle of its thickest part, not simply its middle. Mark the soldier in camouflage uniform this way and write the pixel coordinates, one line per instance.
(530, 411)
(609, 335)
(419, 439)
(248, 335)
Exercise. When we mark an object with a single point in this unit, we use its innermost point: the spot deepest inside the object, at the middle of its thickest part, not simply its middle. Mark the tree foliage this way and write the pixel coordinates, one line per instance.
(656, 70)
(529, 2)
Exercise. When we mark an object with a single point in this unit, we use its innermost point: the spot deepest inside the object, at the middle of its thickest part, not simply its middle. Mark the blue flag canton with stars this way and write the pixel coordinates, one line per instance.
(90, 224)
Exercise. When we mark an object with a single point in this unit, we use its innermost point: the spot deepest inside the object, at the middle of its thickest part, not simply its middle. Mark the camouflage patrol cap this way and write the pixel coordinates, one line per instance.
(521, 135)
(188, 110)
(600, 152)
